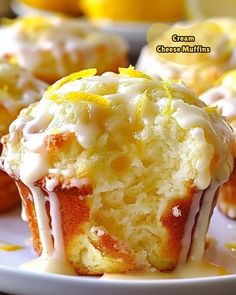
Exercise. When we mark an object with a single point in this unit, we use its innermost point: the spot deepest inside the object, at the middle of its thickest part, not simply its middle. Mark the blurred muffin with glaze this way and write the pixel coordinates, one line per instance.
(51, 47)
(203, 73)
(18, 89)
(223, 96)
(118, 172)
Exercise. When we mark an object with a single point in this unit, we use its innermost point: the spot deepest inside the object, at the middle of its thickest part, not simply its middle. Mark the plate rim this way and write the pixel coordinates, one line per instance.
(126, 282)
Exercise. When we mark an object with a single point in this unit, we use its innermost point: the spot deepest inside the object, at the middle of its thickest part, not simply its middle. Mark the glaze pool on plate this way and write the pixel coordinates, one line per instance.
(18, 281)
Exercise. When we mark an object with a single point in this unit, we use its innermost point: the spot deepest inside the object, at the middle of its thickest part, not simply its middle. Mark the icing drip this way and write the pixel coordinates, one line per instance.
(201, 227)
(53, 258)
(43, 222)
(187, 238)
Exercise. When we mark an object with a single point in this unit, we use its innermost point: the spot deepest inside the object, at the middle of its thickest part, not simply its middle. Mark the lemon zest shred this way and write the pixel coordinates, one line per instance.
(81, 96)
(166, 86)
(10, 248)
(231, 246)
(179, 81)
(212, 110)
(55, 131)
(131, 72)
(139, 109)
(70, 78)
(141, 104)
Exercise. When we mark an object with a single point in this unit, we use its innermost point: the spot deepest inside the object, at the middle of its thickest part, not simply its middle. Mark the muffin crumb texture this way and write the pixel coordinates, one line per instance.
(124, 163)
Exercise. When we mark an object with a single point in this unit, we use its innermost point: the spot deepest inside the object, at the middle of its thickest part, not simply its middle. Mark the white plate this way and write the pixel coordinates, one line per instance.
(17, 281)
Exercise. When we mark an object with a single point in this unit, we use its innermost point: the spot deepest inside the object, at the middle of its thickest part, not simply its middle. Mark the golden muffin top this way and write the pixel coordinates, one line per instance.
(18, 89)
(85, 121)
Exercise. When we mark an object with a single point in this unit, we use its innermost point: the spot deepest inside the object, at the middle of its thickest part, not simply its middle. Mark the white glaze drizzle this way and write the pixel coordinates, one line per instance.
(19, 89)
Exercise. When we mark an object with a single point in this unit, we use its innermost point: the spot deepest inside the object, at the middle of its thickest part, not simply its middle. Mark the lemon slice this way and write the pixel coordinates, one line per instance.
(131, 72)
(199, 9)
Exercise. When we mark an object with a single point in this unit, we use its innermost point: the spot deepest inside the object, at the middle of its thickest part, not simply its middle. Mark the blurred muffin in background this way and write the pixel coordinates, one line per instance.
(203, 73)
(51, 47)
(122, 169)
(18, 89)
(133, 10)
(63, 6)
(223, 96)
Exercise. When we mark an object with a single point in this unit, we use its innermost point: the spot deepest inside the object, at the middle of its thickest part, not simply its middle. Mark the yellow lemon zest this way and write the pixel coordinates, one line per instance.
(55, 131)
(10, 248)
(139, 109)
(33, 22)
(179, 81)
(141, 103)
(212, 110)
(166, 86)
(70, 78)
(81, 96)
(131, 72)
(231, 246)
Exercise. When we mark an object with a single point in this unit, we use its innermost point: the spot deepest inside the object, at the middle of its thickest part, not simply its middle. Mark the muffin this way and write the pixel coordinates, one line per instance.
(223, 96)
(69, 6)
(204, 72)
(118, 172)
(51, 47)
(18, 89)
(133, 10)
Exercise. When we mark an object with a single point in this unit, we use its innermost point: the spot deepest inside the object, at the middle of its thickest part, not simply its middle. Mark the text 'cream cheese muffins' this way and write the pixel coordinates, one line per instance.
(201, 74)
(18, 89)
(52, 47)
(223, 96)
(118, 172)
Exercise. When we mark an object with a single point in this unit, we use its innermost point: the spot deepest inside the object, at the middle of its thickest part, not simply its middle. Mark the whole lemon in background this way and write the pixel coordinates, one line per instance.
(65, 6)
(134, 10)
